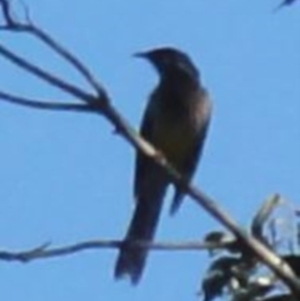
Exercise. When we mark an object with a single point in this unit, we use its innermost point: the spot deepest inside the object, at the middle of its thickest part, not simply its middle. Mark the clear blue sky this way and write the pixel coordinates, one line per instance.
(66, 177)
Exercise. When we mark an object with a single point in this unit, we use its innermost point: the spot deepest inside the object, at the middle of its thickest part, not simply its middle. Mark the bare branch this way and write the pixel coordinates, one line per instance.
(44, 251)
(6, 9)
(44, 75)
(38, 104)
(68, 56)
(102, 105)
(30, 28)
(263, 214)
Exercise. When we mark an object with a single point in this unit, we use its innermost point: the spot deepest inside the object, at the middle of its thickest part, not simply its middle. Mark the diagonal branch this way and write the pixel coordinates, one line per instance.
(103, 106)
(30, 28)
(44, 251)
(6, 12)
(38, 104)
(83, 70)
(44, 75)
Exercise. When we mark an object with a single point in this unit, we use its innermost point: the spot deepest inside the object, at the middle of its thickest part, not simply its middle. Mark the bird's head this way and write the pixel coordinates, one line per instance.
(168, 60)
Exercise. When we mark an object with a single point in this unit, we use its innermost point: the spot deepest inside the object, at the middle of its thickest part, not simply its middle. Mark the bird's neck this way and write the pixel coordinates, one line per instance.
(180, 80)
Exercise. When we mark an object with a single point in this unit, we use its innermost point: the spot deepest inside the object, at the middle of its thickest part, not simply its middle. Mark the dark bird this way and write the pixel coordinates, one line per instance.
(175, 122)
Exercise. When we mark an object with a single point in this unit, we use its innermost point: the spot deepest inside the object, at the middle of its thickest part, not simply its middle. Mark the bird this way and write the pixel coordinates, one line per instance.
(175, 122)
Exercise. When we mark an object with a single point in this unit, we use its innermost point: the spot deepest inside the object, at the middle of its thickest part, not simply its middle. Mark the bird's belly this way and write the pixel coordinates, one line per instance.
(175, 140)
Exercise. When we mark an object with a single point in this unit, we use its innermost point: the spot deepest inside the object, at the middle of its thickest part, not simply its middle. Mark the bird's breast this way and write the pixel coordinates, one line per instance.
(175, 135)
(177, 121)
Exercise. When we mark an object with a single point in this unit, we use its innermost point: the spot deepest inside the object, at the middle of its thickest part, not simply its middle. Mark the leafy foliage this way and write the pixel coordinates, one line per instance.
(237, 274)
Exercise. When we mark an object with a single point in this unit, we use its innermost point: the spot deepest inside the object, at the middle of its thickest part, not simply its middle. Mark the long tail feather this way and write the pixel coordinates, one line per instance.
(132, 258)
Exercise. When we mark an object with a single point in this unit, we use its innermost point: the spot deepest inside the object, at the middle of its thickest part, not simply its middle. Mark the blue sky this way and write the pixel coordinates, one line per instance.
(66, 177)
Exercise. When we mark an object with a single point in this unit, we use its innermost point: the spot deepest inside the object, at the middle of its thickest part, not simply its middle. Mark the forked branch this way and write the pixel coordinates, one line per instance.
(101, 103)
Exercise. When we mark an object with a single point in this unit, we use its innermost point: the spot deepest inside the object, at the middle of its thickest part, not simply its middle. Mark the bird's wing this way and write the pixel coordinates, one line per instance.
(189, 165)
(143, 164)
(205, 116)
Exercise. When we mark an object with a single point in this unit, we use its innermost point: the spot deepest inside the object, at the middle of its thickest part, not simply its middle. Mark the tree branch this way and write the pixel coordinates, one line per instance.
(39, 104)
(44, 75)
(43, 251)
(30, 28)
(103, 106)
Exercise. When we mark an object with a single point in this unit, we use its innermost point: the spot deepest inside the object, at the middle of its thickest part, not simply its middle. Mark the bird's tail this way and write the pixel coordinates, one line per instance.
(132, 258)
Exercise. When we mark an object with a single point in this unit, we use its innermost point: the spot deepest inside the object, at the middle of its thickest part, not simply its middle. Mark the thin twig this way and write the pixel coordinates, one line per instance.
(30, 28)
(44, 251)
(45, 105)
(128, 133)
(6, 9)
(44, 75)
(75, 62)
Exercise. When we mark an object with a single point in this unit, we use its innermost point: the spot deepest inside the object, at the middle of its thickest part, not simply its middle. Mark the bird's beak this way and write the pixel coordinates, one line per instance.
(142, 55)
